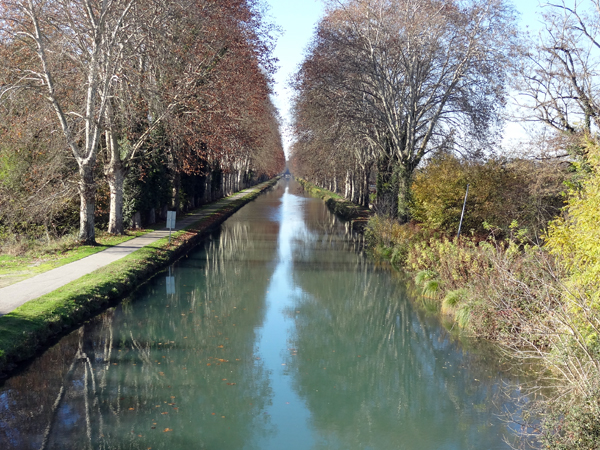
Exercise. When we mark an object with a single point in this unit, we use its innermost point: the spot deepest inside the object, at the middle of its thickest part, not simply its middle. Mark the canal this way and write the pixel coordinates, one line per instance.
(276, 333)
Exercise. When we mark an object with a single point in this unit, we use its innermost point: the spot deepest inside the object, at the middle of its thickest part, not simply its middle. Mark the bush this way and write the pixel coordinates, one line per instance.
(575, 237)
(501, 191)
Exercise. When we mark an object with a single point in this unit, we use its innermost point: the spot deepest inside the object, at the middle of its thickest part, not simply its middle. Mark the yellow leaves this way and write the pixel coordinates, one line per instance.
(574, 239)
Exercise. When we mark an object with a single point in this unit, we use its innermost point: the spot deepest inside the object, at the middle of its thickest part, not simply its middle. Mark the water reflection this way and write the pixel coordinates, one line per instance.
(277, 333)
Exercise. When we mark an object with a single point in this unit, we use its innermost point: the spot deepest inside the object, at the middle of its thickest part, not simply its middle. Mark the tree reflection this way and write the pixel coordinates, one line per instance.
(180, 370)
(374, 375)
(162, 371)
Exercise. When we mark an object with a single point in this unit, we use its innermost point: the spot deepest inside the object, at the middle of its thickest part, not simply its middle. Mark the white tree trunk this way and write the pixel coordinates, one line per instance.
(116, 178)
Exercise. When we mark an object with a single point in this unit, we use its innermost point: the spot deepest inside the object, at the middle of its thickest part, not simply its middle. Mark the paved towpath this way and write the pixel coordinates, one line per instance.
(13, 296)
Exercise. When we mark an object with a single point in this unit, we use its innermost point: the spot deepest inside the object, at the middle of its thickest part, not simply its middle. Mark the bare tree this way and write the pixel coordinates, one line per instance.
(71, 51)
(559, 76)
(418, 74)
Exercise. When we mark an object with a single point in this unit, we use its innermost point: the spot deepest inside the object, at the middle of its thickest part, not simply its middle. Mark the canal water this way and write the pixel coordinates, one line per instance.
(276, 333)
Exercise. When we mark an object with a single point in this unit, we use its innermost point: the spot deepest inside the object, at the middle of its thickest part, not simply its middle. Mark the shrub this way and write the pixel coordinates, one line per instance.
(575, 237)
(501, 191)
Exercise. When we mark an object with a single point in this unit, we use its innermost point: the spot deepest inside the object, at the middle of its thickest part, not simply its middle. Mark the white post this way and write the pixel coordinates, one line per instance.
(171, 222)
(463, 212)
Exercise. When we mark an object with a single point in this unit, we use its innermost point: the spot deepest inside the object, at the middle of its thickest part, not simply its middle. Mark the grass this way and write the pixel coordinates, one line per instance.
(40, 259)
(28, 328)
(21, 261)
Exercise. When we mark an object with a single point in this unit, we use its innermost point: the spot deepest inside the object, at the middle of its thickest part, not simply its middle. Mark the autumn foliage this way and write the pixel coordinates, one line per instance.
(99, 98)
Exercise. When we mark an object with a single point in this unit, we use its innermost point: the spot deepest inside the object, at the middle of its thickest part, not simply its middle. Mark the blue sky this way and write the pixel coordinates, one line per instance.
(298, 20)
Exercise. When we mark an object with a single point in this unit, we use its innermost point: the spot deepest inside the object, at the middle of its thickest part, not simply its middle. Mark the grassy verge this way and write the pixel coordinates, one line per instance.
(15, 268)
(27, 329)
(357, 215)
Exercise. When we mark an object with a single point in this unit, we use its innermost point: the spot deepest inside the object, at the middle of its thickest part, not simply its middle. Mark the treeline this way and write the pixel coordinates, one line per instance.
(385, 84)
(398, 107)
(113, 112)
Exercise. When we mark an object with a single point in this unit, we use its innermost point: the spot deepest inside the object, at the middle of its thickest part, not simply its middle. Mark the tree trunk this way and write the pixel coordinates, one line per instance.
(176, 187)
(221, 185)
(116, 179)
(347, 187)
(387, 192)
(404, 180)
(87, 195)
(366, 192)
(207, 188)
(136, 221)
(361, 190)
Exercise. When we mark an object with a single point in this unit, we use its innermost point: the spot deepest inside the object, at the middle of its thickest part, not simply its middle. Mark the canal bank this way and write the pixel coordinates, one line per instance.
(30, 327)
(357, 216)
(278, 332)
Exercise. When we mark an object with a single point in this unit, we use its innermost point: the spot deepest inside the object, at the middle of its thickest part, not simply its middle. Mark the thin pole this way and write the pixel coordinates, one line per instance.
(463, 212)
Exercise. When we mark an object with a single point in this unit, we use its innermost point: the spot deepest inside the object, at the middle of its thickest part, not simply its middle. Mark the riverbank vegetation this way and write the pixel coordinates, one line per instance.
(398, 108)
(111, 113)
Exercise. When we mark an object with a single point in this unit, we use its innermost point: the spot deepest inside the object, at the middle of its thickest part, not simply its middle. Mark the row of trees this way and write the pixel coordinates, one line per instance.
(118, 84)
(386, 82)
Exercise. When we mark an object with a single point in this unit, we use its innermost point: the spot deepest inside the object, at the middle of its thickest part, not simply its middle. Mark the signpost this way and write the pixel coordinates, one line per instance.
(171, 222)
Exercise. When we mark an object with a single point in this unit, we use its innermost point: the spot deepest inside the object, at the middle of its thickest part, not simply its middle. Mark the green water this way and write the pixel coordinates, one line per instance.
(277, 333)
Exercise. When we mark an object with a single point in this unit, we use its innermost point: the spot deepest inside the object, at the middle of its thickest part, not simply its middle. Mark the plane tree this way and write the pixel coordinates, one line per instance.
(413, 76)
